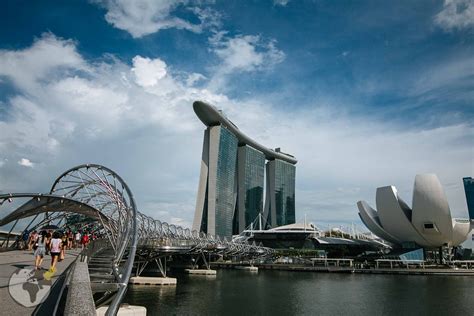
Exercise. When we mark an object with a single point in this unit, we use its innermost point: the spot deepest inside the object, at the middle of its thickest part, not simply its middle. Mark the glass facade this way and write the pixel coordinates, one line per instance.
(226, 182)
(251, 179)
(204, 218)
(231, 186)
(284, 192)
(469, 190)
(417, 254)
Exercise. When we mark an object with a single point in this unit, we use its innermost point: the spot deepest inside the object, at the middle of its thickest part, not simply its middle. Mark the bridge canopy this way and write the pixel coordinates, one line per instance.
(40, 203)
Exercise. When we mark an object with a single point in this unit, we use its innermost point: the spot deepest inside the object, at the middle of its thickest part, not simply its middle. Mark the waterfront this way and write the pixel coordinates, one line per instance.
(303, 293)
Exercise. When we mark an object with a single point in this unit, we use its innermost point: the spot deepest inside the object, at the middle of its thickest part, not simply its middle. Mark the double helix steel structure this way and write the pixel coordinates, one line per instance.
(95, 198)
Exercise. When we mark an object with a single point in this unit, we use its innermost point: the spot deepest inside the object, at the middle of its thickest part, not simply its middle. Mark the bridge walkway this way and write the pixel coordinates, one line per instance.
(12, 262)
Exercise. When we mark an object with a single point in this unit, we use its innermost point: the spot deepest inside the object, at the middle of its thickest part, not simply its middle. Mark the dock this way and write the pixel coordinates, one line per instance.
(201, 272)
(349, 269)
(152, 281)
(247, 268)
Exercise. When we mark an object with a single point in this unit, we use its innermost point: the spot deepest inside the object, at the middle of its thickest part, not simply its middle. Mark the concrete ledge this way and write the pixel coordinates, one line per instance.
(152, 281)
(201, 271)
(125, 310)
(79, 296)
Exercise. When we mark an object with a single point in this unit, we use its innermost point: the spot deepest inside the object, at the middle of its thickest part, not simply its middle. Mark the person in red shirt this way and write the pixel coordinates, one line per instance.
(85, 240)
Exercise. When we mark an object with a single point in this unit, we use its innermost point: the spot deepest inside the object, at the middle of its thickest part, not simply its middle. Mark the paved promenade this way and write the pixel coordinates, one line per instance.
(12, 263)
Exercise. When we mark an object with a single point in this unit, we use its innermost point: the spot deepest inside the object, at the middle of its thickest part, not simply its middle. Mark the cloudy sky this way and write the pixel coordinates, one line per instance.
(363, 93)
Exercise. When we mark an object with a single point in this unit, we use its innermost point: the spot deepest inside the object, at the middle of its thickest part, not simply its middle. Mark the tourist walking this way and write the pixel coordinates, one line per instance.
(55, 249)
(70, 238)
(24, 240)
(40, 250)
(32, 240)
(64, 242)
(78, 239)
(85, 240)
(49, 235)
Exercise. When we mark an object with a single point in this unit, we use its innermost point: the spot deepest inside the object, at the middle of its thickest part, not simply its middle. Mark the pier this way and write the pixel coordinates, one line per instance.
(201, 272)
(351, 269)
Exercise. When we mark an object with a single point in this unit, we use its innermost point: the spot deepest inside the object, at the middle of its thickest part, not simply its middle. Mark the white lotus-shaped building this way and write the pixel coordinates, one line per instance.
(428, 223)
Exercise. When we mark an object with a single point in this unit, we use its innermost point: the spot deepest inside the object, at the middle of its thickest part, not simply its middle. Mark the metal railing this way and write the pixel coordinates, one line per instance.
(401, 263)
(106, 206)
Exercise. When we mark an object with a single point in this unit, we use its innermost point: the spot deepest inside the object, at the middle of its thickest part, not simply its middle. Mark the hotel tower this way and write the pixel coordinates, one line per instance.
(234, 171)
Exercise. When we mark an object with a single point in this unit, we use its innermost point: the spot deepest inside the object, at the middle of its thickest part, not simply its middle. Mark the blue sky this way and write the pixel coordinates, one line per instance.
(364, 94)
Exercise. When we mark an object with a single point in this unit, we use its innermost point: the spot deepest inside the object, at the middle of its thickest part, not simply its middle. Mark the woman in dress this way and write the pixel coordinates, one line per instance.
(40, 249)
(31, 242)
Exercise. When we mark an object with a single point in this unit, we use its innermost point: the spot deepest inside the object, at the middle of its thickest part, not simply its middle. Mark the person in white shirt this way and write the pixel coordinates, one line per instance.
(77, 239)
(55, 249)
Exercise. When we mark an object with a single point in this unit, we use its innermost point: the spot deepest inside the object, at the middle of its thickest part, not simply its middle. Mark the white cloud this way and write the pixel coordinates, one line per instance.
(30, 127)
(448, 72)
(141, 124)
(48, 54)
(209, 18)
(194, 78)
(25, 163)
(241, 54)
(456, 14)
(143, 17)
(245, 53)
(147, 71)
(89, 100)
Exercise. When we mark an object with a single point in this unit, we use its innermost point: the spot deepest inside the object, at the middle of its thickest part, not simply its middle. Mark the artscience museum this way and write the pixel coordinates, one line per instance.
(428, 223)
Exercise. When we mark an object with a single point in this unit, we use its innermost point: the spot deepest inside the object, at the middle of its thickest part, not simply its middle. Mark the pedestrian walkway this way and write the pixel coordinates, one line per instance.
(26, 286)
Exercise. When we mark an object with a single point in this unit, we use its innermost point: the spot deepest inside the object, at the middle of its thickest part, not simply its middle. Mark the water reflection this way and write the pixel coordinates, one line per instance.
(150, 296)
(235, 292)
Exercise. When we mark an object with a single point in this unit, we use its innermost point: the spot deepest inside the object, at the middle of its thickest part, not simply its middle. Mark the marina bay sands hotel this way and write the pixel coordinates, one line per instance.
(234, 169)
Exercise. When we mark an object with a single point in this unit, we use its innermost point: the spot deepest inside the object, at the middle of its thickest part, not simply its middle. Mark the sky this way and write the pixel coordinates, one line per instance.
(363, 93)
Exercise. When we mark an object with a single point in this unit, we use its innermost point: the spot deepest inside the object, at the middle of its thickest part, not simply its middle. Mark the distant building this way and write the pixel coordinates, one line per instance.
(469, 190)
(231, 183)
(428, 223)
(309, 237)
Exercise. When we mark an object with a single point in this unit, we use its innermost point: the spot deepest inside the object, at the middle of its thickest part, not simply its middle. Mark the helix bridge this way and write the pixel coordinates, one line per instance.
(94, 198)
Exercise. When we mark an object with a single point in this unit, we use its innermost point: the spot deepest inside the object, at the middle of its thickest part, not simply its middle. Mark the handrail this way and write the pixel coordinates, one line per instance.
(79, 299)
